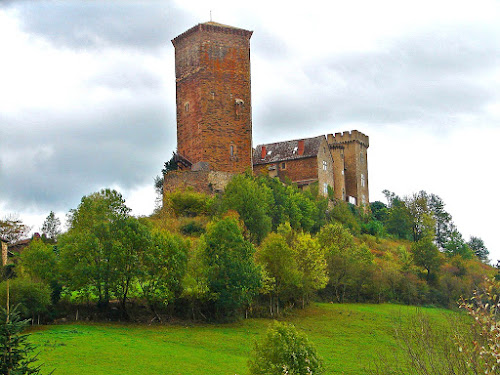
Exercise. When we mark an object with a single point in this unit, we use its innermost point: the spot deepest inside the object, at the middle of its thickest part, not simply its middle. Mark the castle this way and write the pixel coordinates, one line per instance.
(214, 125)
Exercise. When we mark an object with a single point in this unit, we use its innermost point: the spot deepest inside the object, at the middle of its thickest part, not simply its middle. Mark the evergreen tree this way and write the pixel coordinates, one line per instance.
(476, 244)
(51, 227)
(15, 351)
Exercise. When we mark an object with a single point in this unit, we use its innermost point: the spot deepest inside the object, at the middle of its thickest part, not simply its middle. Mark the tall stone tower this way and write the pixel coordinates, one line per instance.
(355, 159)
(214, 112)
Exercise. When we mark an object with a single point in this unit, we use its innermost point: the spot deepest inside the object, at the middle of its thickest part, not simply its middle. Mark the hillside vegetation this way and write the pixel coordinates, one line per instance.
(261, 248)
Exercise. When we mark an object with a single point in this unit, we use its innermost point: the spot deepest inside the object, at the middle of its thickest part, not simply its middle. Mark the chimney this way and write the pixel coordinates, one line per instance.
(264, 152)
(301, 147)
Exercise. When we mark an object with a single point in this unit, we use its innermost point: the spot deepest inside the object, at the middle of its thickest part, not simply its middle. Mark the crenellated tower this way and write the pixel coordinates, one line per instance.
(214, 112)
(349, 149)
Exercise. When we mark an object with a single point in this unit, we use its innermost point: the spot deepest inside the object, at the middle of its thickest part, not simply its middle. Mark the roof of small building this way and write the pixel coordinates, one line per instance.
(288, 150)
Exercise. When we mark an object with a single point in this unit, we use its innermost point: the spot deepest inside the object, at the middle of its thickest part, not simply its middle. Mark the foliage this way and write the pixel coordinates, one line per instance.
(51, 227)
(39, 261)
(232, 276)
(279, 261)
(170, 165)
(312, 265)
(253, 201)
(95, 246)
(456, 245)
(343, 214)
(476, 244)
(483, 348)
(285, 350)
(426, 255)
(16, 356)
(161, 269)
(189, 203)
(379, 210)
(12, 229)
(32, 298)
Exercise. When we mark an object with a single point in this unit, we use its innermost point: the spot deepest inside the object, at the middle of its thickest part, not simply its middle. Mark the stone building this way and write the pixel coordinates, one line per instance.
(214, 125)
(302, 161)
(351, 150)
(214, 111)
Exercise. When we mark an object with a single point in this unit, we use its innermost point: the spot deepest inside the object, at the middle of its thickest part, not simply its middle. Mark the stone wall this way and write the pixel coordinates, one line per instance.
(208, 182)
(214, 112)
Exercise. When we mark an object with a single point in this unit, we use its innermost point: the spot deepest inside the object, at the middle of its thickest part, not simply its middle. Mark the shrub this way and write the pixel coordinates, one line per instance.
(33, 298)
(190, 203)
(284, 350)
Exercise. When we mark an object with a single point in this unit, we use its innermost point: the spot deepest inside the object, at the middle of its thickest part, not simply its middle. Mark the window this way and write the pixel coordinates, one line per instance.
(360, 158)
(232, 150)
(342, 172)
(352, 200)
(283, 166)
(186, 107)
(363, 182)
(343, 194)
(325, 188)
(325, 165)
(363, 199)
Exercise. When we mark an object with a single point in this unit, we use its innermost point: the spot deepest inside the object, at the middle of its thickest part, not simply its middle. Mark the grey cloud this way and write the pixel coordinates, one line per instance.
(65, 158)
(88, 24)
(426, 79)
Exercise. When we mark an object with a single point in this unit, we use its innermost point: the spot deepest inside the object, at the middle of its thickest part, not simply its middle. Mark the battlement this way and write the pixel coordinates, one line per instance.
(348, 136)
(213, 27)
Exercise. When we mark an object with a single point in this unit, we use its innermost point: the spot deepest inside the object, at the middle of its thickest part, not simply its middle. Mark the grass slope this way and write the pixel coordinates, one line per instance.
(348, 337)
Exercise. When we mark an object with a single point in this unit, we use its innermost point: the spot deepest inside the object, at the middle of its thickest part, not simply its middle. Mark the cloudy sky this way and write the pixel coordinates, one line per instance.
(87, 95)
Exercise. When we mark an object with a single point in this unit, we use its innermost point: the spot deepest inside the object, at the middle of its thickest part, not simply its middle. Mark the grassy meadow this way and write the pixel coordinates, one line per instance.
(349, 337)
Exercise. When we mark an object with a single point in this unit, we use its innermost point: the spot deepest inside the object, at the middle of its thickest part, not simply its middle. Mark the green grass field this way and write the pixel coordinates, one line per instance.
(348, 337)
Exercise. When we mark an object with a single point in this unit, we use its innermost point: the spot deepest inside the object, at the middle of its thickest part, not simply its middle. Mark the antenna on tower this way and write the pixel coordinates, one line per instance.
(210, 15)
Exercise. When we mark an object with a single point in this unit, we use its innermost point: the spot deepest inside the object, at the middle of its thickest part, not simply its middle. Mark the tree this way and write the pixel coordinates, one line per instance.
(284, 350)
(442, 218)
(15, 351)
(311, 262)
(279, 262)
(426, 255)
(456, 245)
(422, 220)
(476, 244)
(88, 250)
(399, 220)
(12, 229)
(253, 202)
(51, 227)
(232, 276)
(161, 269)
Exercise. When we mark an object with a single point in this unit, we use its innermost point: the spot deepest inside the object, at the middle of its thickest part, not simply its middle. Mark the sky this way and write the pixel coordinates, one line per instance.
(87, 95)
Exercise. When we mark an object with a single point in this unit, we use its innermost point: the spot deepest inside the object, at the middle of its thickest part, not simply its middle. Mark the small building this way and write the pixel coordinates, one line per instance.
(302, 161)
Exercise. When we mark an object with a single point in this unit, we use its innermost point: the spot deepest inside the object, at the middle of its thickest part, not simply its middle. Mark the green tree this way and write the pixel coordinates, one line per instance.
(426, 255)
(88, 250)
(284, 350)
(51, 227)
(476, 244)
(279, 262)
(346, 262)
(161, 269)
(253, 202)
(456, 245)
(399, 221)
(16, 352)
(442, 218)
(233, 278)
(311, 262)
(40, 263)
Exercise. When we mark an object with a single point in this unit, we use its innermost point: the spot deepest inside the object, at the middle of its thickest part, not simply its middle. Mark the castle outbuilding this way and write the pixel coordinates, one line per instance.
(214, 125)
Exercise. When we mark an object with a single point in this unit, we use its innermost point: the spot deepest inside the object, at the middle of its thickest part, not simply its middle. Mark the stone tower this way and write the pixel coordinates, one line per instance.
(355, 159)
(214, 112)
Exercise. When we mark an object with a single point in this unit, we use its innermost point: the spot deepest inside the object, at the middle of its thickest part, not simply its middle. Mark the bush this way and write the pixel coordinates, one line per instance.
(284, 350)
(32, 298)
(192, 228)
(190, 203)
